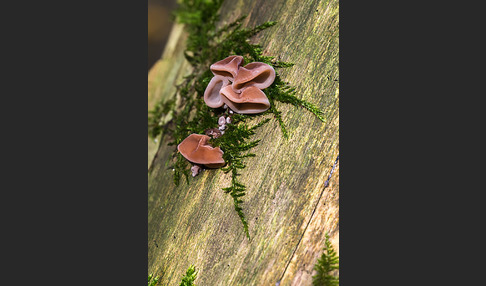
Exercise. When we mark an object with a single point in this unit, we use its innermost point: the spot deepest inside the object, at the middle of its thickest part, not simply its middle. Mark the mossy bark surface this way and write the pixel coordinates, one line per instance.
(287, 206)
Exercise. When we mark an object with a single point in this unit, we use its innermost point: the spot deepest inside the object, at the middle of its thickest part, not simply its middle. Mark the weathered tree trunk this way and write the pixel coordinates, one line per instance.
(287, 206)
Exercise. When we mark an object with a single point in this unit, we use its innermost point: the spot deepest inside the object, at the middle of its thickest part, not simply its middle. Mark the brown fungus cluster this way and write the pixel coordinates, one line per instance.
(237, 87)
(196, 149)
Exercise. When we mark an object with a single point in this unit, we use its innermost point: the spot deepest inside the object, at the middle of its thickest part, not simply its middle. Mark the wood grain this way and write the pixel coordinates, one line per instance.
(287, 207)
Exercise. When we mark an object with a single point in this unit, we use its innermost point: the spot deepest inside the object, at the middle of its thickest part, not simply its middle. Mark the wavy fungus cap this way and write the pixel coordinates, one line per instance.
(196, 149)
(239, 87)
(212, 96)
(255, 74)
(250, 101)
(227, 67)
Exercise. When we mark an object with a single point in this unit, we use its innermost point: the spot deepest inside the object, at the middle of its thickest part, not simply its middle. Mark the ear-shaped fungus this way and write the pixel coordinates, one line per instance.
(239, 87)
(250, 101)
(212, 96)
(195, 148)
(255, 74)
(227, 67)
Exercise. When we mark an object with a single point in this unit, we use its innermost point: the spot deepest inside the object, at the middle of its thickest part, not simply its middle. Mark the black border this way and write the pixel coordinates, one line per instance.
(77, 151)
(408, 126)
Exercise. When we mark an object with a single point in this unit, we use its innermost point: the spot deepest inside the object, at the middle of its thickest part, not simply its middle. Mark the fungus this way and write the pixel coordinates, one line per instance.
(213, 132)
(255, 74)
(196, 149)
(221, 120)
(239, 88)
(227, 67)
(212, 96)
(251, 100)
(196, 169)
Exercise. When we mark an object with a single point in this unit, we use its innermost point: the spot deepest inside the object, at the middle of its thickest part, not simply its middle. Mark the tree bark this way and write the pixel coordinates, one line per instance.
(287, 206)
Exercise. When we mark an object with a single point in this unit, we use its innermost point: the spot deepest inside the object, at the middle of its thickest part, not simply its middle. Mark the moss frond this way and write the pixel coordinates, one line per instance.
(235, 142)
(153, 281)
(325, 266)
(187, 280)
(190, 277)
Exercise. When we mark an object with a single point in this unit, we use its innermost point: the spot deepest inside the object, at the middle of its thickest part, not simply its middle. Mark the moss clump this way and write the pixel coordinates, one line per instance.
(187, 280)
(326, 266)
(236, 141)
(152, 281)
(207, 44)
(190, 277)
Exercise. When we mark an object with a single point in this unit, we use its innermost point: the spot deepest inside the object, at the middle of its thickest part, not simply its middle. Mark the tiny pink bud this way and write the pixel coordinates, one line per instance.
(221, 120)
(195, 170)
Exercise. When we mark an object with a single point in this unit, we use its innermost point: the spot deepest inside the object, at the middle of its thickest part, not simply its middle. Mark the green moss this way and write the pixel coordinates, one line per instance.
(325, 266)
(187, 280)
(205, 45)
(191, 275)
(235, 142)
(152, 281)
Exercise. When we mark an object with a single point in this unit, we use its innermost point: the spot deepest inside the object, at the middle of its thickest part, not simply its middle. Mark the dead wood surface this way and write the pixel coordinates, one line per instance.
(287, 207)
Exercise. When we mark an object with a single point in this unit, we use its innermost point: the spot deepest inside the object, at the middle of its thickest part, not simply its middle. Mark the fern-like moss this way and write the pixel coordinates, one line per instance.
(187, 280)
(325, 266)
(190, 277)
(153, 281)
(236, 142)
